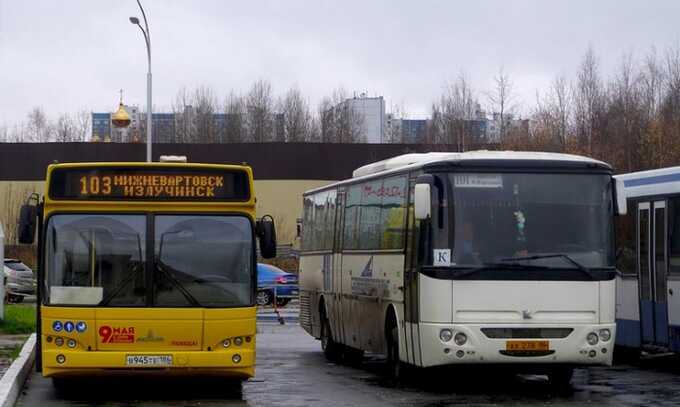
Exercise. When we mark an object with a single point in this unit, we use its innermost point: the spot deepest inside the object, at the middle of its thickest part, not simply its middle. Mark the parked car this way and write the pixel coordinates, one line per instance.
(270, 278)
(19, 280)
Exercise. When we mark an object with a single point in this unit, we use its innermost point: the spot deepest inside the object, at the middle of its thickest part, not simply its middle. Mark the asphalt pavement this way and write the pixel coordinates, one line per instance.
(291, 371)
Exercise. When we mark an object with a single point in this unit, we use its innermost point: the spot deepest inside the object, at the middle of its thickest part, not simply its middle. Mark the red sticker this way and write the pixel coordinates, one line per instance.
(117, 334)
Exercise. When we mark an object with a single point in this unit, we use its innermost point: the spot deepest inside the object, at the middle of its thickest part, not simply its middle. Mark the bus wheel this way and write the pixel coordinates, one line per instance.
(263, 298)
(561, 377)
(331, 349)
(394, 365)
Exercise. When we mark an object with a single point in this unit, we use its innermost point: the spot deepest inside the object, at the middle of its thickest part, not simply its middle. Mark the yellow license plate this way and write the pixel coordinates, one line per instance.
(523, 346)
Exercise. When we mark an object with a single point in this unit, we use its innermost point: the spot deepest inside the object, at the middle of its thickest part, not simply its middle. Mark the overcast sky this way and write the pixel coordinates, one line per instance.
(71, 55)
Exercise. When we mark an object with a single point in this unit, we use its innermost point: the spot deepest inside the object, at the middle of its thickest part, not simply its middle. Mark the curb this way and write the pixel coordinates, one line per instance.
(15, 377)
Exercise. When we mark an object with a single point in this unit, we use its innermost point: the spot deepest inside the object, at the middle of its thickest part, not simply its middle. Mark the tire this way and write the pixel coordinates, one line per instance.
(282, 302)
(395, 368)
(263, 297)
(561, 377)
(331, 349)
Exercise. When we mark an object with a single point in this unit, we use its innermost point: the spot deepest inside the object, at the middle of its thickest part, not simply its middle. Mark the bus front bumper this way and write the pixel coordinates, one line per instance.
(573, 349)
(223, 363)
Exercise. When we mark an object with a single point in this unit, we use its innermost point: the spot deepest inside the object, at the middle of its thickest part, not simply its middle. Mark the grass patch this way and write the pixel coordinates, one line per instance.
(19, 319)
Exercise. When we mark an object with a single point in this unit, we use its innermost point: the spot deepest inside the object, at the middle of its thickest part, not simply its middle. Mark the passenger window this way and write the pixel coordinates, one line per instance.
(351, 233)
(370, 215)
(392, 212)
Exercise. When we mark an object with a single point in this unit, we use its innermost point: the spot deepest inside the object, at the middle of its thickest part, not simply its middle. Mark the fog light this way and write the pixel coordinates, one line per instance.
(71, 343)
(460, 353)
(226, 343)
(445, 335)
(605, 335)
(61, 359)
(592, 339)
(460, 339)
(59, 341)
(236, 358)
(447, 350)
(604, 350)
(248, 339)
(238, 341)
(592, 353)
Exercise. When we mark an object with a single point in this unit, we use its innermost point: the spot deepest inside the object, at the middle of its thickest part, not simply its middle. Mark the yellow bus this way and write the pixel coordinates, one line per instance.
(147, 267)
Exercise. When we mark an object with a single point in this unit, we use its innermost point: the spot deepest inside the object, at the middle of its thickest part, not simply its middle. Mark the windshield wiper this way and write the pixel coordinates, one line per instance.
(160, 266)
(583, 269)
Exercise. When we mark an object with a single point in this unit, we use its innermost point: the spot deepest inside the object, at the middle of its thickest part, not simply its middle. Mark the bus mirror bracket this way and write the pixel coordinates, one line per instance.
(266, 232)
(620, 197)
(422, 197)
(28, 216)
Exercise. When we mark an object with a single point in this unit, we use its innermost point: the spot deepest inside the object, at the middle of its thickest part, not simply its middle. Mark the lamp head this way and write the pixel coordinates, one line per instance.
(134, 20)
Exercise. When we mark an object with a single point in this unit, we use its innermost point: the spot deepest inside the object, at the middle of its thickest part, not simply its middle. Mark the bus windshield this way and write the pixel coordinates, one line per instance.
(102, 260)
(551, 220)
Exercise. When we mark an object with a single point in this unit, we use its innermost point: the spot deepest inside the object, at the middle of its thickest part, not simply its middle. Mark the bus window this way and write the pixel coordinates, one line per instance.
(625, 241)
(93, 259)
(674, 231)
(203, 261)
(352, 205)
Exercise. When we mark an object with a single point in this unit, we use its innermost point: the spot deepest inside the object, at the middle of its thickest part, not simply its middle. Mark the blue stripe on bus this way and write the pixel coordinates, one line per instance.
(661, 321)
(659, 179)
(674, 338)
(628, 333)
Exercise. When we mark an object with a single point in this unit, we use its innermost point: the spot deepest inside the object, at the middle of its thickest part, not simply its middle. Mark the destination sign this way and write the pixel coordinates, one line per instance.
(149, 184)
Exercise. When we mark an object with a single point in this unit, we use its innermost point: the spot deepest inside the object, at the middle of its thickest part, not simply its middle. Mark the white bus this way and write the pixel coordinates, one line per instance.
(452, 258)
(648, 292)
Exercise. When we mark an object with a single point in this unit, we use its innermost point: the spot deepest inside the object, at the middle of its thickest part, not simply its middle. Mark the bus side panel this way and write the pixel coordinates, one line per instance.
(674, 313)
(311, 286)
(627, 312)
(371, 282)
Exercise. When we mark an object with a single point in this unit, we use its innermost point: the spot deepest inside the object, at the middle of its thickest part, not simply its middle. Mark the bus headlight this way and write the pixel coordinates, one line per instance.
(605, 335)
(238, 341)
(592, 339)
(61, 359)
(445, 335)
(460, 339)
(236, 358)
(226, 343)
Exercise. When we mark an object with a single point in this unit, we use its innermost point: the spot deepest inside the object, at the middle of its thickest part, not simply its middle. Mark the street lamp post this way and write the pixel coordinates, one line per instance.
(147, 39)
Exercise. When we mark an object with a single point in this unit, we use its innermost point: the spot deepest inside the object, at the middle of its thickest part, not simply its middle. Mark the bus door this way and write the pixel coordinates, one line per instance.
(336, 267)
(652, 272)
(411, 315)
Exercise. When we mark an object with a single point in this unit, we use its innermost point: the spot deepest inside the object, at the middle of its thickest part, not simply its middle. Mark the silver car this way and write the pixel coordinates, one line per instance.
(19, 280)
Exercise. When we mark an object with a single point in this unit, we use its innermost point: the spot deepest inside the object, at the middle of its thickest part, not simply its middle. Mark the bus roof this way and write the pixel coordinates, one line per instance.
(418, 160)
(663, 181)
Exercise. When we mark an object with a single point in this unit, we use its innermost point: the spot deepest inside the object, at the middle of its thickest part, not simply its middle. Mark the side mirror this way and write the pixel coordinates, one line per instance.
(266, 232)
(620, 197)
(28, 216)
(422, 201)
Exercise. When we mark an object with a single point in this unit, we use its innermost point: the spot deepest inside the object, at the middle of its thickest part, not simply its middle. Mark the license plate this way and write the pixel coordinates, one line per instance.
(523, 346)
(148, 360)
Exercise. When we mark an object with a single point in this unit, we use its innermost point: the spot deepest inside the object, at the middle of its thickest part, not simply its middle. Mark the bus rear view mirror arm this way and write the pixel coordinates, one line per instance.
(28, 216)
(266, 232)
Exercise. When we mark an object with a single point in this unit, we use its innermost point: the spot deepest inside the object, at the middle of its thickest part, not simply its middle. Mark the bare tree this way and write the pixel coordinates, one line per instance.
(38, 126)
(340, 120)
(589, 98)
(259, 108)
(502, 100)
(235, 126)
(204, 103)
(65, 129)
(184, 123)
(458, 106)
(296, 116)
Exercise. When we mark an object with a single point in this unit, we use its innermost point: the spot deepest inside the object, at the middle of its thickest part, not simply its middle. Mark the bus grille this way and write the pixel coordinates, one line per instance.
(527, 333)
(305, 314)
